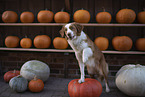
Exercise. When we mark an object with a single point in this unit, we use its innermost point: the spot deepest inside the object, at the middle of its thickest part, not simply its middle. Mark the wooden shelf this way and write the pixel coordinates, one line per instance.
(61, 24)
(66, 50)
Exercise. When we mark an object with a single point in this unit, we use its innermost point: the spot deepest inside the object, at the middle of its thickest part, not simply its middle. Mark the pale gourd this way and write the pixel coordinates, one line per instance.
(130, 79)
(35, 68)
(18, 84)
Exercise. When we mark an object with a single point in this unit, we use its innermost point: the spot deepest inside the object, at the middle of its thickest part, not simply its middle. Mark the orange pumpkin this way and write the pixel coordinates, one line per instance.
(9, 17)
(42, 41)
(90, 88)
(103, 17)
(60, 43)
(125, 16)
(36, 85)
(12, 41)
(81, 16)
(27, 17)
(45, 16)
(10, 74)
(141, 17)
(102, 43)
(140, 44)
(26, 43)
(122, 43)
(62, 17)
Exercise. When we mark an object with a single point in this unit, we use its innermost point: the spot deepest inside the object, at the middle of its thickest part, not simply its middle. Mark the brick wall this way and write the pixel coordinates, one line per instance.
(62, 64)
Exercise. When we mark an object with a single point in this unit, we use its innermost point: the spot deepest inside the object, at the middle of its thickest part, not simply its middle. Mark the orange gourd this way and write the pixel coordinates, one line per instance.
(125, 16)
(89, 88)
(62, 17)
(45, 16)
(140, 44)
(27, 17)
(102, 43)
(42, 41)
(81, 16)
(103, 17)
(12, 41)
(26, 43)
(122, 43)
(36, 85)
(9, 17)
(10, 74)
(141, 17)
(60, 43)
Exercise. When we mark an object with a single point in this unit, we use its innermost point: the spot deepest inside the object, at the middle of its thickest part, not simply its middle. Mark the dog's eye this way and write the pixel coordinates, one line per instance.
(71, 27)
(65, 29)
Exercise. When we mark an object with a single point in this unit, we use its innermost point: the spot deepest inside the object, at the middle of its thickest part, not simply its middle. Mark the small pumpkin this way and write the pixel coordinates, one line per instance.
(103, 17)
(12, 41)
(141, 17)
(102, 43)
(130, 80)
(89, 88)
(60, 43)
(122, 43)
(27, 17)
(82, 16)
(26, 43)
(140, 44)
(45, 16)
(125, 16)
(9, 17)
(42, 41)
(10, 74)
(62, 17)
(18, 84)
(35, 68)
(36, 85)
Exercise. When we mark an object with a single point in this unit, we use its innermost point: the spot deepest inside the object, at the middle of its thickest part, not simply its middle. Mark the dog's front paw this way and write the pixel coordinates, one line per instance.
(81, 80)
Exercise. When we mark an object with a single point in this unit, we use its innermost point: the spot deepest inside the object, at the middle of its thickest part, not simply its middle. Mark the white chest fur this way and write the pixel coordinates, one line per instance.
(79, 43)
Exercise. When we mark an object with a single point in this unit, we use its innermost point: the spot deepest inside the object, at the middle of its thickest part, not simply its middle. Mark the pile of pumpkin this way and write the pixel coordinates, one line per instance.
(32, 75)
(80, 16)
(120, 43)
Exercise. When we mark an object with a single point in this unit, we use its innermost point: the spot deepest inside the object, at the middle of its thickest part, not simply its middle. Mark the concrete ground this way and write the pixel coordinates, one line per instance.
(55, 87)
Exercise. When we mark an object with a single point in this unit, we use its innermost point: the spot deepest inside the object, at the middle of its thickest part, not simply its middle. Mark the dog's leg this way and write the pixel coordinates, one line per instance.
(82, 67)
(87, 52)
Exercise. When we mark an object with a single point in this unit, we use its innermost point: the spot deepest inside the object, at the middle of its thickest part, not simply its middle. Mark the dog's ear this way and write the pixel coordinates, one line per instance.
(62, 31)
(78, 27)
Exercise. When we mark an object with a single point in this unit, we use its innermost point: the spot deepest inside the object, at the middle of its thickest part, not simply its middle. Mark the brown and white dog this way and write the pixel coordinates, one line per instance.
(86, 52)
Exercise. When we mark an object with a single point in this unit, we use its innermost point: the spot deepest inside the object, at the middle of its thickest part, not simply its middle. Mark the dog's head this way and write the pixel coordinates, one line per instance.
(71, 30)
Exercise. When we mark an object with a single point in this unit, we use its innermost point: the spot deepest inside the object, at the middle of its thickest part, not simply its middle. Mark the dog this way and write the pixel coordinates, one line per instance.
(87, 53)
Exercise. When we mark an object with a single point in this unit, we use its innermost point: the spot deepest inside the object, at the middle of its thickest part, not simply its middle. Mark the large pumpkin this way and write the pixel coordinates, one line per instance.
(130, 79)
(12, 41)
(62, 17)
(125, 16)
(102, 43)
(122, 43)
(90, 88)
(35, 68)
(9, 17)
(18, 84)
(36, 85)
(141, 17)
(140, 44)
(82, 16)
(27, 17)
(60, 43)
(45, 16)
(103, 17)
(26, 43)
(42, 41)
(10, 74)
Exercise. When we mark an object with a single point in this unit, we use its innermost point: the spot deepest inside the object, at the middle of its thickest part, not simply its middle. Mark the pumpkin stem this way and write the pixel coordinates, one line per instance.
(35, 78)
(25, 36)
(103, 9)
(137, 65)
(62, 10)
(46, 9)
(14, 71)
(82, 9)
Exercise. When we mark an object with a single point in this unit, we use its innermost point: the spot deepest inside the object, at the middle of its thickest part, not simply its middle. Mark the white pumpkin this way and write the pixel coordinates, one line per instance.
(130, 79)
(35, 68)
